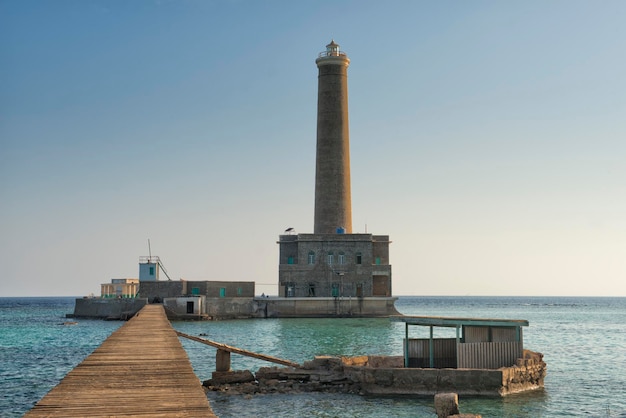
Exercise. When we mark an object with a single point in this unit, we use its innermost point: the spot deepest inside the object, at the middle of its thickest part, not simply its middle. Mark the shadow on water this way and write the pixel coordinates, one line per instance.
(529, 404)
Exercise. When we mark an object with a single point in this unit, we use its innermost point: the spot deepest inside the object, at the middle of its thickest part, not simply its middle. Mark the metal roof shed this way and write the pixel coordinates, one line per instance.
(480, 343)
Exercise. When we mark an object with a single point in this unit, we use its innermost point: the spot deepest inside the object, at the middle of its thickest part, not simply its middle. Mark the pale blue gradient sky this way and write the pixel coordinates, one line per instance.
(487, 138)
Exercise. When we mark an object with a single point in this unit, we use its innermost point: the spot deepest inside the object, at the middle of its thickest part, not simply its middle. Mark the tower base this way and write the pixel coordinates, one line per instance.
(327, 307)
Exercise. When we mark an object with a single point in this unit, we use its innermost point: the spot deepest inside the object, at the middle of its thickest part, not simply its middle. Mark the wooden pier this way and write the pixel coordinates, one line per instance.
(140, 370)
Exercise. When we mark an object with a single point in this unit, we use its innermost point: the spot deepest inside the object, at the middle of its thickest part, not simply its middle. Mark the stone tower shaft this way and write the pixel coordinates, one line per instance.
(333, 202)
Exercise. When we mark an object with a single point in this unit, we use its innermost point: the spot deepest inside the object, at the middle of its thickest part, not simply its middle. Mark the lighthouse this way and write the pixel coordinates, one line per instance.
(333, 206)
(333, 271)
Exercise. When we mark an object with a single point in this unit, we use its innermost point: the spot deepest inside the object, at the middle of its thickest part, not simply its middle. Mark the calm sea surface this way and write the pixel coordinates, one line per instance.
(583, 341)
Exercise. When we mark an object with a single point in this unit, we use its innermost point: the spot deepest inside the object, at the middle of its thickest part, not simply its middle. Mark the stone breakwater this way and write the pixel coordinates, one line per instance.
(382, 375)
(323, 374)
(528, 373)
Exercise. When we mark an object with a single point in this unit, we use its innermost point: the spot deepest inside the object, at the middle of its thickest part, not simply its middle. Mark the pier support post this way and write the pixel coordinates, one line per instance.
(222, 361)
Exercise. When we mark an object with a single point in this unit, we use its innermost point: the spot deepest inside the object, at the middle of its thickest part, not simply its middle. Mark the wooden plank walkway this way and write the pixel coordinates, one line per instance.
(140, 370)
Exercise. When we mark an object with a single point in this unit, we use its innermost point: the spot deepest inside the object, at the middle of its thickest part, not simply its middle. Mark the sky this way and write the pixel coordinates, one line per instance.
(487, 140)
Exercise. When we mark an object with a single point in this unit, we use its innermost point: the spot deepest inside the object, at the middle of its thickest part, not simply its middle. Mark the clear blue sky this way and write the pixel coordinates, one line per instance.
(488, 140)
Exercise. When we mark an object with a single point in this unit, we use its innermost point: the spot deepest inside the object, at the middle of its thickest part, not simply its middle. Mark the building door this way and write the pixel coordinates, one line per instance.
(359, 290)
(381, 286)
(189, 307)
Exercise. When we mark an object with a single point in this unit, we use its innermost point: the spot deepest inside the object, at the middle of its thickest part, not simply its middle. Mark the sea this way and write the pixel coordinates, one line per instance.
(583, 340)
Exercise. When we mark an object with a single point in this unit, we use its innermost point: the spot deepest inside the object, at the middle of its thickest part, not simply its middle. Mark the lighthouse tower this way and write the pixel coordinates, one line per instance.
(329, 269)
(333, 206)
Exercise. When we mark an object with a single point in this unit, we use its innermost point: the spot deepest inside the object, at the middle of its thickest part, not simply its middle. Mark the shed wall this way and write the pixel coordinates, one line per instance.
(444, 349)
(488, 355)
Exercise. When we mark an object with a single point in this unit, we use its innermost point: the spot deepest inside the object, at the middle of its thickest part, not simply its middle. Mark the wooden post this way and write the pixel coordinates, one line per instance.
(222, 361)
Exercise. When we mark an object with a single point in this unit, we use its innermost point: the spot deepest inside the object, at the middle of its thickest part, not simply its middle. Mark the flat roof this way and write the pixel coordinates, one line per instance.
(440, 321)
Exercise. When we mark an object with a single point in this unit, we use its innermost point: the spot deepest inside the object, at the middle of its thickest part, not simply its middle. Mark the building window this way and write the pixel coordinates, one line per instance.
(335, 290)
(311, 289)
(289, 260)
(239, 291)
(151, 271)
(195, 290)
(377, 261)
(359, 258)
(222, 292)
(341, 258)
(330, 258)
(311, 257)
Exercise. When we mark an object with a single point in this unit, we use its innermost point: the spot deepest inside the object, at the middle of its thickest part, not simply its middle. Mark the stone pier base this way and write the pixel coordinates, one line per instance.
(385, 375)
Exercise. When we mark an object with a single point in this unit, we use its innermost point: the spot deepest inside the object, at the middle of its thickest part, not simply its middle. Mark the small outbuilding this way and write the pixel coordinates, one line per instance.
(185, 307)
(479, 343)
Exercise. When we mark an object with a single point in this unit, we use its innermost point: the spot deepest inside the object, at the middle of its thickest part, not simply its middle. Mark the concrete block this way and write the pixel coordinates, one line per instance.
(222, 361)
(446, 404)
(238, 376)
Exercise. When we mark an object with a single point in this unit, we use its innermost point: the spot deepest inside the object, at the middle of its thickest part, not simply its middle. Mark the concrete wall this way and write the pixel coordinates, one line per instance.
(326, 307)
(426, 382)
(160, 290)
(245, 307)
(213, 289)
(232, 308)
(383, 376)
(108, 308)
(210, 289)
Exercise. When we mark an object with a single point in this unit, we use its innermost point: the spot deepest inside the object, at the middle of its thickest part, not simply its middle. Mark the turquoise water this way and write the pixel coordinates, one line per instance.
(583, 341)
(36, 352)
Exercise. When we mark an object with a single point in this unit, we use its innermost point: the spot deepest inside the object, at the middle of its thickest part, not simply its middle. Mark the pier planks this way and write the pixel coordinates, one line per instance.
(140, 370)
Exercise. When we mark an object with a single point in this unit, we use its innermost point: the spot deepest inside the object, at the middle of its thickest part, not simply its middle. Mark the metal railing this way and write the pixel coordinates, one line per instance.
(326, 54)
(149, 259)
